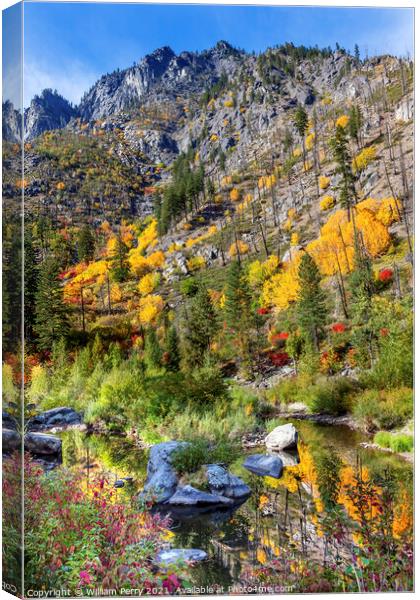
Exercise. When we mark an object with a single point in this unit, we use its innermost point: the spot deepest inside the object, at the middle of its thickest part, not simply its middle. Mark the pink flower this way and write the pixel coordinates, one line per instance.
(171, 583)
(85, 578)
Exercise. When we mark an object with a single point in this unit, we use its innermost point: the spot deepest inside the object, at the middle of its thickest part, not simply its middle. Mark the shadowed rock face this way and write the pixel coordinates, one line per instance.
(225, 484)
(162, 480)
(190, 496)
(12, 123)
(47, 111)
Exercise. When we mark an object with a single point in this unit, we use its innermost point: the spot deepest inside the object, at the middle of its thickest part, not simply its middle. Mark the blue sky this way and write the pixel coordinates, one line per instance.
(68, 46)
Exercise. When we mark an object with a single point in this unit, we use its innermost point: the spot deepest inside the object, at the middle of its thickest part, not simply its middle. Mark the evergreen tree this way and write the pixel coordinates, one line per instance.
(311, 308)
(300, 121)
(172, 349)
(12, 284)
(51, 315)
(30, 285)
(152, 349)
(238, 314)
(355, 123)
(342, 157)
(362, 287)
(85, 244)
(357, 54)
(202, 326)
(119, 265)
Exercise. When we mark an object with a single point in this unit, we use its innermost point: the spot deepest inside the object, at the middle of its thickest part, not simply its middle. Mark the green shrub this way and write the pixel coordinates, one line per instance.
(394, 367)
(190, 458)
(330, 397)
(402, 442)
(199, 452)
(383, 439)
(384, 409)
(189, 286)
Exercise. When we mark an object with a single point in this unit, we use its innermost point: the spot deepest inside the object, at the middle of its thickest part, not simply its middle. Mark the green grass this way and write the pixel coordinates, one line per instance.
(397, 442)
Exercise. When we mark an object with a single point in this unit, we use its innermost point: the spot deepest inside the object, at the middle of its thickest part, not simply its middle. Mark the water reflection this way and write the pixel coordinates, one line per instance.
(282, 518)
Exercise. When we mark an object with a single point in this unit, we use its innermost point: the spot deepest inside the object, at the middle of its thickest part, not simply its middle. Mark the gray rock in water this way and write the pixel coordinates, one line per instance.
(11, 440)
(282, 437)
(162, 479)
(264, 464)
(62, 416)
(225, 484)
(9, 422)
(167, 557)
(190, 496)
(43, 444)
(119, 483)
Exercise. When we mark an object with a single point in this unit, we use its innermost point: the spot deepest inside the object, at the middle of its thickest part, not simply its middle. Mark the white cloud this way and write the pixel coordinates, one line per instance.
(71, 81)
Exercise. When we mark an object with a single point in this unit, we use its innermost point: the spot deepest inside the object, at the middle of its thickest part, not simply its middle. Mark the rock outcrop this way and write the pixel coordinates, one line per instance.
(47, 111)
(162, 479)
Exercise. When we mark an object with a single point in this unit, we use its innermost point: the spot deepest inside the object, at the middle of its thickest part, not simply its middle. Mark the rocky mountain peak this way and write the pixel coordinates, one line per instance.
(47, 111)
(11, 123)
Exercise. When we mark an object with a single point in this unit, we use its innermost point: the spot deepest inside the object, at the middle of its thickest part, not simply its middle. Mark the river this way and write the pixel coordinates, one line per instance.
(273, 518)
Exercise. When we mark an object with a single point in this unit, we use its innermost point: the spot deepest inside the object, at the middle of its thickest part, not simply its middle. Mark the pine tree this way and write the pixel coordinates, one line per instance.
(85, 244)
(51, 315)
(237, 310)
(300, 121)
(340, 148)
(172, 349)
(202, 326)
(152, 349)
(311, 308)
(30, 284)
(357, 54)
(362, 287)
(355, 123)
(119, 265)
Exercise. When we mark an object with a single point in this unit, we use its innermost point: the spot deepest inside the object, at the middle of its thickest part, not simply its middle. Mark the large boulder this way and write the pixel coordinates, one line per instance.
(40, 444)
(162, 479)
(191, 555)
(225, 484)
(282, 437)
(190, 496)
(11, 440)
(9, 422)
(264, 464)
(62, 416)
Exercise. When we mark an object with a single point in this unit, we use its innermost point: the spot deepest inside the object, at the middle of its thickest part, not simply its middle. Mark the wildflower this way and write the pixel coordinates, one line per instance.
(338, 327)
(385, 275)
(85, 578)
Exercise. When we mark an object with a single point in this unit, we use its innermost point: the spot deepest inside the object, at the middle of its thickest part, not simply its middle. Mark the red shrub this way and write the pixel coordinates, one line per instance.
(279, 359)
(385, 275)
(338, 327)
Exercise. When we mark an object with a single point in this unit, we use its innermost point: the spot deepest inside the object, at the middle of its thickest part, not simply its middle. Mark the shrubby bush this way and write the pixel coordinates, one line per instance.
(384, 409)
(80, 538)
